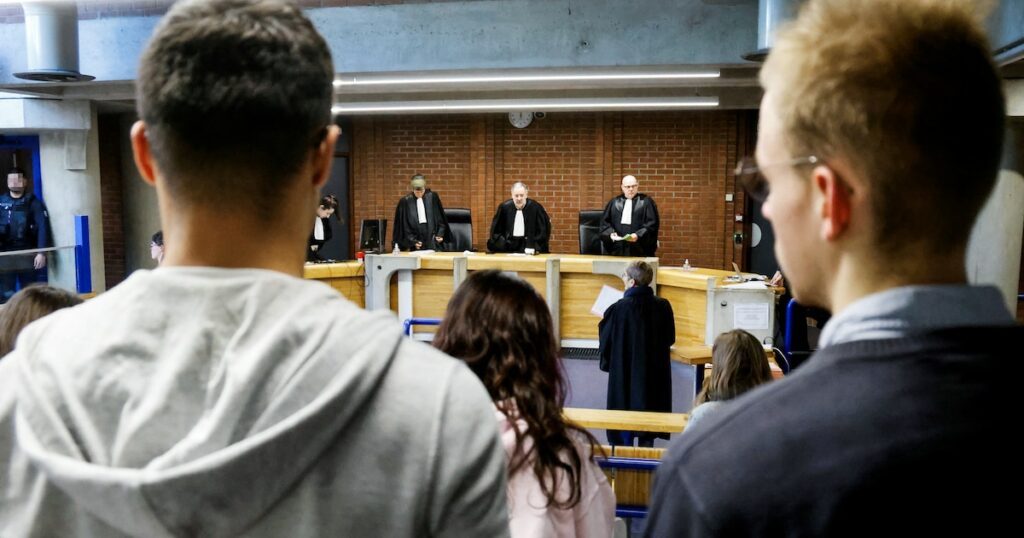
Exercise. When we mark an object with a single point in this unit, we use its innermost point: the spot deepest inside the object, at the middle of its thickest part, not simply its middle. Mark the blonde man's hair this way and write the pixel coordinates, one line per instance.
(906, 93)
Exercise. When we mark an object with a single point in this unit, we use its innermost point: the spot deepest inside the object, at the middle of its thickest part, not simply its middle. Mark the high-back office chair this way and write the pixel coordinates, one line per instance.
(590, 232)
(796, 344)
(460, 229)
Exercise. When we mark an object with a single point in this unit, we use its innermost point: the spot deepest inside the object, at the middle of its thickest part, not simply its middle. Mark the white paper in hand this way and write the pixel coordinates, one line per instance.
(606, 298)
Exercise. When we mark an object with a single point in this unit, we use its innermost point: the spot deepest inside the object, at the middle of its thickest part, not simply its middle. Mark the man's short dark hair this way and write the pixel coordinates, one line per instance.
(17, 171)
(234, 94)
(641, 272)
(158, 238)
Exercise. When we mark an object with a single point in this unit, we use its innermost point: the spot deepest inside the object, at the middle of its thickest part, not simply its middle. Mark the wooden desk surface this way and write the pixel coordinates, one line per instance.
(332, 270)
(641, 421)
(692, 353)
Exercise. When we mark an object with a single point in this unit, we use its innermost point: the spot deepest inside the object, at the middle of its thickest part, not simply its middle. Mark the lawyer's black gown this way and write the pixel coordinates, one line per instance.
(408, 231)
(636, 334)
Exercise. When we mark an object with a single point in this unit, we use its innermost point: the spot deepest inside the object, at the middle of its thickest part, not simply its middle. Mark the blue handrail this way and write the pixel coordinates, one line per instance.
(409, 323)
(630, 464)
(787, 346)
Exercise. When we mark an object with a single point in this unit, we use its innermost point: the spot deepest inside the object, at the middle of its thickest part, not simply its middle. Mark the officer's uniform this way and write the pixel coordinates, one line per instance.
(24, 224)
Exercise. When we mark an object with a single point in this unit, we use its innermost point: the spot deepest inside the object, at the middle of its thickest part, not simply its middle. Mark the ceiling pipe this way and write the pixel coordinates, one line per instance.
(51, 35)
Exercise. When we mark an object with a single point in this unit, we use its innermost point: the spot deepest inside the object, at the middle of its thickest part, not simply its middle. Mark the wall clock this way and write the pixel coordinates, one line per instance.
(520, 120)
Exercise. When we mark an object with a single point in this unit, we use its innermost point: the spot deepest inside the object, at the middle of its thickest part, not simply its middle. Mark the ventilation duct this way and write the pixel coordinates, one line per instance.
(51, 35)
(770, 15)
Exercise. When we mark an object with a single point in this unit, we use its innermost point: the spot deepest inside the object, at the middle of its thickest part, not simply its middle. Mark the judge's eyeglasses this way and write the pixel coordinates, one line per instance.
(748, 173)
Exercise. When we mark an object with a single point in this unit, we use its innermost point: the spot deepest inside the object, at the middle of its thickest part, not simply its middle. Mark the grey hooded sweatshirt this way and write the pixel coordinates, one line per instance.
(240, 402)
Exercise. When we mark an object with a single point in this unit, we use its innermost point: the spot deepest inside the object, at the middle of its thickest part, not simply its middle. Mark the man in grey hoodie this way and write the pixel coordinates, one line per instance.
(221, 394)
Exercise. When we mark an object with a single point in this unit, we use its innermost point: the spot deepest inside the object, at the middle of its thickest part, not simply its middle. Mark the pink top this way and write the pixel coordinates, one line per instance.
(529, 517)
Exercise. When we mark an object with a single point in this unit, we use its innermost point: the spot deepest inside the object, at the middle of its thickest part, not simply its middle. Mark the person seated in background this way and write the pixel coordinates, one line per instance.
(520, 224)
(738, 364)
(322, 227)
(156, 247)
(223, 394)
(420, 222)
(502, 328)
(636, 337)
(28, 305)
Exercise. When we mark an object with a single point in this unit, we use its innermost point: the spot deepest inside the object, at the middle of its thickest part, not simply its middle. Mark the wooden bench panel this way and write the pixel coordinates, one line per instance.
(634, 487)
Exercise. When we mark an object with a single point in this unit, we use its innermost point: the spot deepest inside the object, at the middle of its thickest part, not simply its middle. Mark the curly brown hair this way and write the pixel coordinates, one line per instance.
(501, 327)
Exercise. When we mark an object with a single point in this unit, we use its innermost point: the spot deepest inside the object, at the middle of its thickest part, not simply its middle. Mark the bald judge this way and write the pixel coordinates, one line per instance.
(630, 223)
(520, 224)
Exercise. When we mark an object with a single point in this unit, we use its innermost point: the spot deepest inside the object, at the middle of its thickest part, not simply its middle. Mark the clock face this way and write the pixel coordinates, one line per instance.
(520, 120)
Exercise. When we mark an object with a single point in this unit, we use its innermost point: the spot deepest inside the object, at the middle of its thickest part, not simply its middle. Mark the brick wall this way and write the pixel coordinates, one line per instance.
(111, 199)
(570, 161)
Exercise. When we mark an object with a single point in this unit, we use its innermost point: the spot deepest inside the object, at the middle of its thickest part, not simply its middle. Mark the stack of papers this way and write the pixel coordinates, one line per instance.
(606, 298)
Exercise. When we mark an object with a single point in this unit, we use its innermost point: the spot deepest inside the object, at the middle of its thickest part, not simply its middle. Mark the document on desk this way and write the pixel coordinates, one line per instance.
(606, 298)
(750, 316)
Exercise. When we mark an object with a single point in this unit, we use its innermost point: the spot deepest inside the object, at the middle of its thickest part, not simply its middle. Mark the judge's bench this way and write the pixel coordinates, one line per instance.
(706, 302)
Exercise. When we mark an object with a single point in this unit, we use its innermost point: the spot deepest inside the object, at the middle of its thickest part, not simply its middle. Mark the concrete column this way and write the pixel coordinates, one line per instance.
(72, 192)
(994, 250)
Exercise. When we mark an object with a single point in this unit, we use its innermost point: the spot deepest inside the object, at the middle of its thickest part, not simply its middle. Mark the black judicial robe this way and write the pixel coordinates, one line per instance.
(314, 255)
(537, 228)
(645, 226)
(636, 334)
(407, 230)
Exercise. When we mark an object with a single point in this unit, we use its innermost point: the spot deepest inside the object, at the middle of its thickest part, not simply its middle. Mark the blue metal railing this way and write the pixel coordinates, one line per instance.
(411, 322)
(629, 464)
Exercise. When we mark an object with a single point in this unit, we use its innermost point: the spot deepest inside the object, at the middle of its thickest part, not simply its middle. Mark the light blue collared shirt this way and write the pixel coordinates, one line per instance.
(910, 309)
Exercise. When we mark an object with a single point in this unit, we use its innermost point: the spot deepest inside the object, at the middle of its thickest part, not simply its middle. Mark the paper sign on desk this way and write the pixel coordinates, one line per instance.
(606, 298)
(750, 316)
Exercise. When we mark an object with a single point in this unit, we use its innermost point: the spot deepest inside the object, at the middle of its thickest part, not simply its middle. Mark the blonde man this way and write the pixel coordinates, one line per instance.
(880, 137)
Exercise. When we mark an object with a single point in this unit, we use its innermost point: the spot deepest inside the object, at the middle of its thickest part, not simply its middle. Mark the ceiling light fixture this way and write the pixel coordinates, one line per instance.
(383, 80)
(498, 105)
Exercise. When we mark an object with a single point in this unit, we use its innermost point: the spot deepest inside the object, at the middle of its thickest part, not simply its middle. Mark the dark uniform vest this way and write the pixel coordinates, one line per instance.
(17, 225)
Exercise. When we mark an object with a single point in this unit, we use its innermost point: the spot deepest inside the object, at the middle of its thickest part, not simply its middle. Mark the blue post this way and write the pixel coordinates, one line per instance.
(83, 263)
(787, 345)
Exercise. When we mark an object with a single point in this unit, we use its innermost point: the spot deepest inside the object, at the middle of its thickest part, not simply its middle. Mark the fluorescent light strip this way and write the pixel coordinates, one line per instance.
(470, 79)
(535, 105)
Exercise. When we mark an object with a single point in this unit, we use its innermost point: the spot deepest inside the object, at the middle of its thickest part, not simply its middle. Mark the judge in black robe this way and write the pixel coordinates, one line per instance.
(322, 232)
(641, 234)
(636, 335)
(409, 232)
(536, 225)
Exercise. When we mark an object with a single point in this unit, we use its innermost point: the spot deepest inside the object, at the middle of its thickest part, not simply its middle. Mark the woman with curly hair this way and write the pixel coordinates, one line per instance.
(502, 328)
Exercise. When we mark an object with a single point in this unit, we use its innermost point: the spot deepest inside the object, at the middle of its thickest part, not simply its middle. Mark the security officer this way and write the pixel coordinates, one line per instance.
(24, 224)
